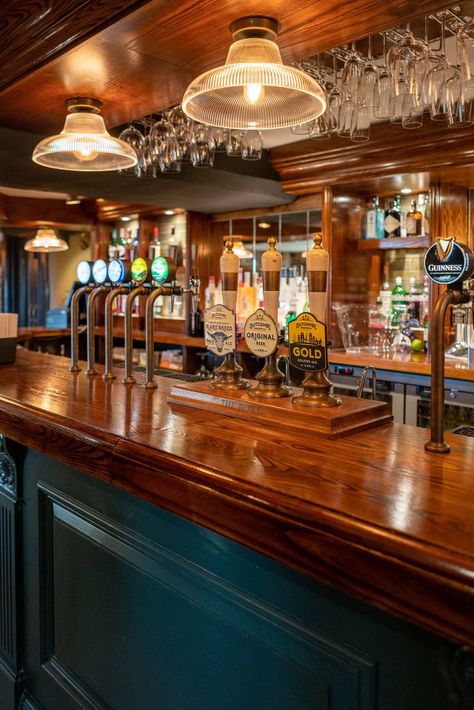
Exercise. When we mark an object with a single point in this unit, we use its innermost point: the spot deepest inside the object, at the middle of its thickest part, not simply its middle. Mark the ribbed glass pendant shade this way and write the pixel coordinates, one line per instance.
(254, 89)
(46, 241)
(84, 143)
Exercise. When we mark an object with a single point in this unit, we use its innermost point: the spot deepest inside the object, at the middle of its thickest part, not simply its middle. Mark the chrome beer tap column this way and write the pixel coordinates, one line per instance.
(99, 274)
(140, 271)
(308, 341)
(120, 277)
(84, 276)
(261, 329)
(447, 263)
(229, 374)
(163, 270)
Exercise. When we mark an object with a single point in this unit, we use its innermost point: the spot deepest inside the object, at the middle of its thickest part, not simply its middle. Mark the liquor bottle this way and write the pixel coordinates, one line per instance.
(392, 222)
(386, 293)
(210, 292)
(398, 303)
(413, 305)
(414, 221)
(374, 221)
(425, 214)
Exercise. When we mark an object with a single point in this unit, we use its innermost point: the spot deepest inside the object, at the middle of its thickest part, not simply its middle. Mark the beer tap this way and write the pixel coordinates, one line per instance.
(316, 385)
(163, 271)
(447, 263)
(120, 278)
(140, 271)
(84, 276)
(99, 274)
(229, 373)
(270, 378)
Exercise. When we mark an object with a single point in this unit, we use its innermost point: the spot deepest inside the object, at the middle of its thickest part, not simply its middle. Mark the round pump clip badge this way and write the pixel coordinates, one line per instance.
(163, 270)
(448, 261)
(116, 271)
(139, 270)
(84, 272)
(99, 271)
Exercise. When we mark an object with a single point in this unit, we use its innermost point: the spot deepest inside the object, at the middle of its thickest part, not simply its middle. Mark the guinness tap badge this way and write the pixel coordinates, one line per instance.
(448, 261)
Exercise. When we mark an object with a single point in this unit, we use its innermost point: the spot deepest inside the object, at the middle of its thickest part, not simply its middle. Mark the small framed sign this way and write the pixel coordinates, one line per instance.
(307, 343)
(219, 329)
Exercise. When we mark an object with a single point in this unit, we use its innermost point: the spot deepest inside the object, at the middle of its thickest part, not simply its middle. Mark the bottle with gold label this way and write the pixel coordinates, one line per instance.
(414, 221)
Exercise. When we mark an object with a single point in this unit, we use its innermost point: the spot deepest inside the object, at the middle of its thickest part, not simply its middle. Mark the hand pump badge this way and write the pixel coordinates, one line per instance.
(448, 262)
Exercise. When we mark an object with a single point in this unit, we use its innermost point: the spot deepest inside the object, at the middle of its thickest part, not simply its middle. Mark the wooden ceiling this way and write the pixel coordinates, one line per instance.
(140, 62)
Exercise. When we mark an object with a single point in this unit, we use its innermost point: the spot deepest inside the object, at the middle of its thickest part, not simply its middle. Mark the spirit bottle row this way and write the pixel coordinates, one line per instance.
(396, 221)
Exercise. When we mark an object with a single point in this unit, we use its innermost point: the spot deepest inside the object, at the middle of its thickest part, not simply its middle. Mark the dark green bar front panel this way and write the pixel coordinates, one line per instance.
(128, 607)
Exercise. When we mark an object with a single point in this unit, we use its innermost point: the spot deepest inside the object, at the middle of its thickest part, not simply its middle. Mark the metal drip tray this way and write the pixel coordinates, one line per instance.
(464, 430)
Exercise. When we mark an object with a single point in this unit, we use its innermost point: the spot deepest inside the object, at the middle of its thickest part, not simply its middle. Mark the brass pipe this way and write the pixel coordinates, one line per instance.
(75, 327)
(109, 336)
(138, 291)
(452, 296)
(97, 291)
(149, 332)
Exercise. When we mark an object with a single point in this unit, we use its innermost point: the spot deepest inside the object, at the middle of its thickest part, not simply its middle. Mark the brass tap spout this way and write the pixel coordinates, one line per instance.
(97, 291)
(134, 293)
(149, 330)
(75, 327)
(451, 297)
(109, 337)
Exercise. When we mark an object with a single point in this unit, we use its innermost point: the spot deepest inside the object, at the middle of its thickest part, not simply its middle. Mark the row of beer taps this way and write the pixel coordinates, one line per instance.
(132, 280)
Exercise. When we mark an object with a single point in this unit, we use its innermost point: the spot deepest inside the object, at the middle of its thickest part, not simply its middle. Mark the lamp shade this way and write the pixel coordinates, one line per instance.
(46, 241)
(254, 89)
(84, 143)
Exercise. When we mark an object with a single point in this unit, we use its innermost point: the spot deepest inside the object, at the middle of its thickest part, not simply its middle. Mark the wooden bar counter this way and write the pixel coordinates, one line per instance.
(358, 553)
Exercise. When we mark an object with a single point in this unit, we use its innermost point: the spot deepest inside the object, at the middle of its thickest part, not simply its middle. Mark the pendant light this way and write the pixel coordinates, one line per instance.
(46, 241)
(84, 143)
(254, 89)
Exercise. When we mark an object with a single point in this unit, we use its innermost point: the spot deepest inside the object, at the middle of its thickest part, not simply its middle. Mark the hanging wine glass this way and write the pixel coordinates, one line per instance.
(234, 145)
(177, 118)
(135, 139)
(438, 100)
(168, 158)
(465, 47)
(321, 127)
(184, 138)
(459, 99)
(368, 81)
(404, 60)
(351, 75)
(251, 145)
(221, 137)
(159, 132)
(334, 100)
(302, 129)
(383, 88)
(202, 155)
(412, 112)
(360, 129)
(147, 158)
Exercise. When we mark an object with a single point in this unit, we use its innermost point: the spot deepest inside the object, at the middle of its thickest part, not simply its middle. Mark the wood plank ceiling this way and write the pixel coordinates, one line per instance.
(140, 62)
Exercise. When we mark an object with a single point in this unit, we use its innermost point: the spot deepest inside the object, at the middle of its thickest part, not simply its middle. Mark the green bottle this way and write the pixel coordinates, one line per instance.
(399, 306)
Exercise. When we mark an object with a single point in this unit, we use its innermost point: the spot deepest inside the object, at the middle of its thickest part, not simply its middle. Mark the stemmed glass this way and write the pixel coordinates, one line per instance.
(251, 145)
(438, 99)
(351, 74)
(382, 90)
(135, 139)
(334, 100)
(368, 81)
(234, 144)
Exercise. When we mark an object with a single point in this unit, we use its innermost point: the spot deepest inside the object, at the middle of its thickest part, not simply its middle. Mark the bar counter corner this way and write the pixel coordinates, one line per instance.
(158, 557)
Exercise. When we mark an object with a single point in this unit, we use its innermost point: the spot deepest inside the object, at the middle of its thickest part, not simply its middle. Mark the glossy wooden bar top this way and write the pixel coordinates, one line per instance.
(413, 363)
(373, 514)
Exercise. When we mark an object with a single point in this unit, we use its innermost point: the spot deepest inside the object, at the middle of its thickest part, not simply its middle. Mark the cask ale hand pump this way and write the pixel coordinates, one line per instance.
(307, 334)
(229, 374)
(261, 330)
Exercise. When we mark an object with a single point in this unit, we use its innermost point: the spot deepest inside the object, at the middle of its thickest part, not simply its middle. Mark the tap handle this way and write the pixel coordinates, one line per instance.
(229, 264)
(171, 305)
(317, 265)
(271, 269)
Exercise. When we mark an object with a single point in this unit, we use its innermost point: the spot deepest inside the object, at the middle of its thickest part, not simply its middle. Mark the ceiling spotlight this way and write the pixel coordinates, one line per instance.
(170, 213)
(46, 241)
(125, 219)
(84, 143)
(406, 190)
(73, 201)
(254, 89)
(264, 225)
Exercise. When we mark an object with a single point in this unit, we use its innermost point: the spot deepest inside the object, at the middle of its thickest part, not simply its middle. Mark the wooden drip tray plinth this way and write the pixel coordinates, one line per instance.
(352, 416)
